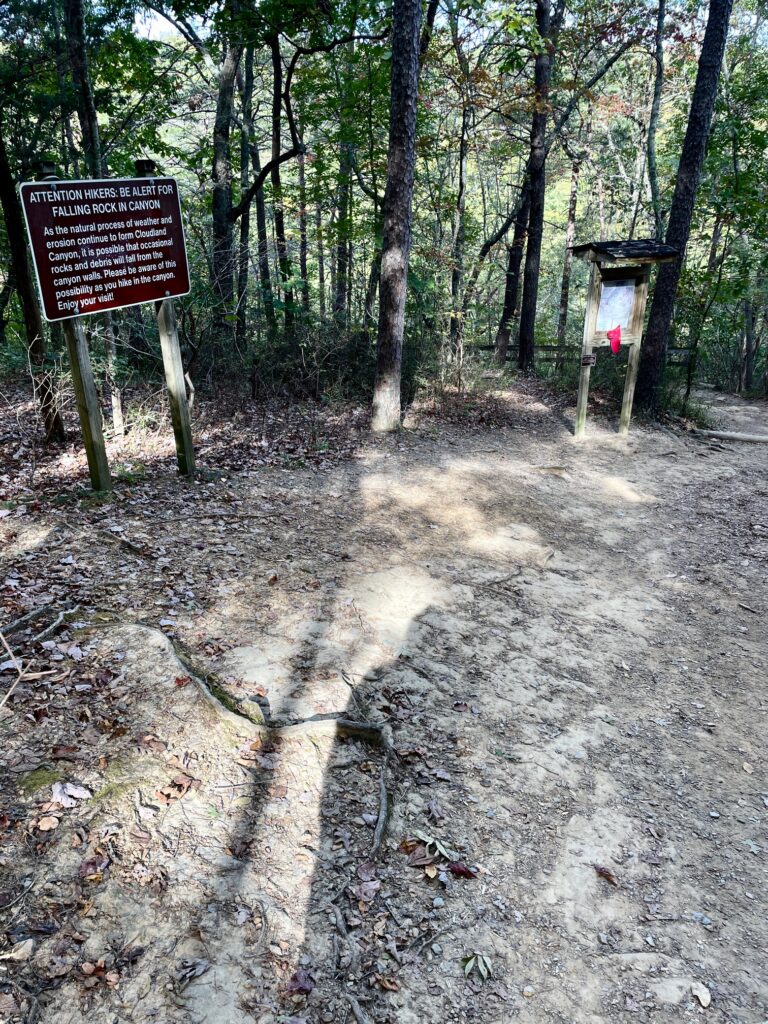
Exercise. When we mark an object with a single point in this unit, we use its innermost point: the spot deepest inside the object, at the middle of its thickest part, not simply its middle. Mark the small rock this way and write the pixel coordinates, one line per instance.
(714, 814)
(436, 948)
(21, 951)
(702, 993)
(602, 938)
(701, 918)
(438, 902)
(529, 991)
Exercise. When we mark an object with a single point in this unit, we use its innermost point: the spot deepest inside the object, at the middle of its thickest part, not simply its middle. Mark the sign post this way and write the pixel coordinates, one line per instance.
(99, 245)
(172, 364)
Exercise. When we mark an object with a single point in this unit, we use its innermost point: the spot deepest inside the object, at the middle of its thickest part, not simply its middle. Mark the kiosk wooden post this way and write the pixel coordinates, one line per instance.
(587, 356)
(618, 291)
(172, 364)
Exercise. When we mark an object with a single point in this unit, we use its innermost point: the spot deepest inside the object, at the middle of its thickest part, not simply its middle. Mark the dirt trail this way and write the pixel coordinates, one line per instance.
(568, 643)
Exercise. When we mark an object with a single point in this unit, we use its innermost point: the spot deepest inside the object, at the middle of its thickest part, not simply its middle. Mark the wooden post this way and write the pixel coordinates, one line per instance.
(177, 391)
(590, 319)
(174, 369)
(87, 404)
(629, 388)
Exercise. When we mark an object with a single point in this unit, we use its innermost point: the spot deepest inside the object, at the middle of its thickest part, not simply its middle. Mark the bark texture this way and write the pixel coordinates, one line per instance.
(537, 180)
(679, 225)
(396, 211)
(25, 288)
(512, 282)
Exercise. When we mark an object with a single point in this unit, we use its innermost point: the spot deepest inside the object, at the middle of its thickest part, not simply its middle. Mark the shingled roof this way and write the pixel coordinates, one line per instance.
(646, 250)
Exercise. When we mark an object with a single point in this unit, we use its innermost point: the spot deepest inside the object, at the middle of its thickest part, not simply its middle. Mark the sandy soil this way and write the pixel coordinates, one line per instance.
(567, 644)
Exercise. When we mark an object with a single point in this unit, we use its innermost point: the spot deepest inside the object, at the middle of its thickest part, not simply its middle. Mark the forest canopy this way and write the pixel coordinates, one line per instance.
(537, 126)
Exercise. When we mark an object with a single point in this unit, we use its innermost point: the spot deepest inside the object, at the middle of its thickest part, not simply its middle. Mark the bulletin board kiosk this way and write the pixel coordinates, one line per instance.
(618, 291)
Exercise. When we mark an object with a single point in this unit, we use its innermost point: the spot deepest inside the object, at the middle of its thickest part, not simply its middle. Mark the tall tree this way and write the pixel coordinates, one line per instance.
(396, 211)
(679, 225)
(22, 277)
(548, 25)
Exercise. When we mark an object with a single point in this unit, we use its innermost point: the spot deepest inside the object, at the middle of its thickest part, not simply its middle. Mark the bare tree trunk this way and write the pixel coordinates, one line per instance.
(66, 122)
(262, 238)
(396, 212)
(243, 252)
(653, 121)
(512, 283)
(277, 187)
(457, 248)
(320, 259)
(303, 234)
(537, 178)
(570, 234)
(688, 173)
(33, 323)
(86, 107)
(223, 257)
(343, 227)
(750, 339)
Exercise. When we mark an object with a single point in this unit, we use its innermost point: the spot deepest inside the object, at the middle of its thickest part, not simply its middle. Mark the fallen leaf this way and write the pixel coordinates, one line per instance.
(460, 869)
(606, 873)
(366, 871)
(182, 681)
(48, 824)
(301, 983)
(390, 984)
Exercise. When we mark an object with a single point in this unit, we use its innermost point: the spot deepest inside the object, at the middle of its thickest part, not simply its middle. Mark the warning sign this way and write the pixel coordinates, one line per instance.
(101, 245)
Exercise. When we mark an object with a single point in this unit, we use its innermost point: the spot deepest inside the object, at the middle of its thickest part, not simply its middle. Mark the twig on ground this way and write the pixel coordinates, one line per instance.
(341, 927)
(45, 633)
(357, 1011)
(20, 670)
(11, 628)
(17, 899)
(381, 822)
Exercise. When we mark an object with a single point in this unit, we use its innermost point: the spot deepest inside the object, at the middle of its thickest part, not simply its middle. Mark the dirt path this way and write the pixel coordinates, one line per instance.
(568, 644)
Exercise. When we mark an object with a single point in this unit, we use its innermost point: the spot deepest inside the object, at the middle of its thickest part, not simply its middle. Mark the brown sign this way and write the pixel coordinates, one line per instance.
(101, 245)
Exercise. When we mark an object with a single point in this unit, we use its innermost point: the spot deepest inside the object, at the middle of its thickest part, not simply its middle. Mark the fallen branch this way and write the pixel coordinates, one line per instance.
(357, 1011)
(206, 683)
(381, 823)
(731, 435)
(20, 670)
(11, 628)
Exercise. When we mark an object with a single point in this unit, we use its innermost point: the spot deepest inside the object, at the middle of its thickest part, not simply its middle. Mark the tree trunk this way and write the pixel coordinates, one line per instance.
(277, 188)
(320, 259)
(70, 155)
(265, 279)
(303, 234)
(537, 178)
(33, 323)
(6, 294)
(653, 121)
(74, 27)
(244, 247)
(679, 224)
(512, 283)
(570, 234)
(457, 249)
(343, 226)
(223, 261)
(396, 213)
(750, 346)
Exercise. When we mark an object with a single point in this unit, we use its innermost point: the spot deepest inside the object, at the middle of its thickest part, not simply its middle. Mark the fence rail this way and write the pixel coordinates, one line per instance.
(676, 356)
